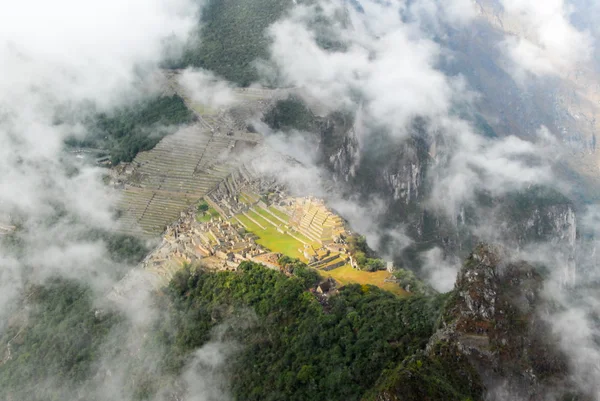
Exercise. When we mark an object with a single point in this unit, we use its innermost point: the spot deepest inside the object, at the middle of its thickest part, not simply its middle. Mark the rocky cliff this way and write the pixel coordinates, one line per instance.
(492, 343)
(397, 172)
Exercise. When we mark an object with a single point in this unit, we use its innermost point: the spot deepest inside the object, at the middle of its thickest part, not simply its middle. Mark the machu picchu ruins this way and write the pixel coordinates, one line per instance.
(247, 215)
(159, 184)
(229, 237)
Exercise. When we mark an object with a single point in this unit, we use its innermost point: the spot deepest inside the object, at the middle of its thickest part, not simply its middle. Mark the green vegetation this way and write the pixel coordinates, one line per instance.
(279, 213)
(290, 346)
(233, 36)
(205, 212)
(524, 203)
(55, 350)
(443, 374)
(409, 281)
(364, 256)
(125, 248)
(206, 216)
(296, 350)
(272, 239)
(346, 275)
(203, 207)
(537, 202)
(291, 113)
(128, 131)
(263, 213)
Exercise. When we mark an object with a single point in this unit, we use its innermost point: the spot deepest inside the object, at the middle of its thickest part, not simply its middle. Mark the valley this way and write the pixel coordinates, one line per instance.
(297, 200)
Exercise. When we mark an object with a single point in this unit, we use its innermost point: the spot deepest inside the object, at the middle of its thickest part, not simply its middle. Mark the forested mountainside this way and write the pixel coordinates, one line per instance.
(231, 38)
(289, 342)
(422, 125)
(125, 132)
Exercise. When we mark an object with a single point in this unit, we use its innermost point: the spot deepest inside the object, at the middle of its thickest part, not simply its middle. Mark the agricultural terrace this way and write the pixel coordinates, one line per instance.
(303, 228)
(184, 167)
(174, 175)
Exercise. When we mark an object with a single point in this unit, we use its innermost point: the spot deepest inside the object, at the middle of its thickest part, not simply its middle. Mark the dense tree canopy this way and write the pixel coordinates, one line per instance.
(55, 351)
(128, 131)
(291, 343)
(299, 349)
(233, 36)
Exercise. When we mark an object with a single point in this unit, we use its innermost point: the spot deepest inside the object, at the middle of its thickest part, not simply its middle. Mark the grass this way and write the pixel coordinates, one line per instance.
(279, 213)
(272, 239)
(304, 238)
(259, 219)
(206, 216)
(348, 275)
(203, 110)
(244, 199)
(264, 213)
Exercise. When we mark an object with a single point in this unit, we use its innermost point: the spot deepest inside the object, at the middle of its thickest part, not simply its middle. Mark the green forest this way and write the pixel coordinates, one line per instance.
(54, 352)
(300, 349)
(292, 345)
(365, 256)
(133, 129)
(233, 36)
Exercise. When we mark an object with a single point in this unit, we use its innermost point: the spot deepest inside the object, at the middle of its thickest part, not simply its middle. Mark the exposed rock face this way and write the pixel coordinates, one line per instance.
(491, 343)
(403, 176)
(494, 319)
(345, 160)
(539, 218)
(397, 172)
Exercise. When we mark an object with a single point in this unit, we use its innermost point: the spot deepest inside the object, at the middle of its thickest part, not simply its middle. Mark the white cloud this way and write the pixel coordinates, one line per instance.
(546, 41)
(388, 65)
(440, 271)
(73, 50)
(204, 88)
(66, 55)
(472, 163)
(433, 14)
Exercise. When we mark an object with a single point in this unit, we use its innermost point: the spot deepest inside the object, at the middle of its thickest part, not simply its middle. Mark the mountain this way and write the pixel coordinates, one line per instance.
(300, 200)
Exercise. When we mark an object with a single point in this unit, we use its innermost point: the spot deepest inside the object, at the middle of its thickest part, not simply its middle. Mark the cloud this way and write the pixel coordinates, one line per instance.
(439, 271)
(387, 70)
(470, 163)
(74, 51)
(61, 58)
(292, 160)
(387, 65)
(64, 56)
(434, 16)
(545, 41)
(573, 316)
(204, 88)
(204, 378)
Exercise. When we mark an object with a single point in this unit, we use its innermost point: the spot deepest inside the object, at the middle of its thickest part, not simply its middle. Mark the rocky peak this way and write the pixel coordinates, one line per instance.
(491, 344)
(493, 318)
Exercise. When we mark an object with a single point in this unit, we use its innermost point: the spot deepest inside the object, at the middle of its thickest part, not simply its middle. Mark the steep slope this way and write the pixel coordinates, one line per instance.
(398, 173)
(492, 342)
